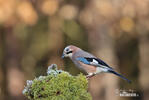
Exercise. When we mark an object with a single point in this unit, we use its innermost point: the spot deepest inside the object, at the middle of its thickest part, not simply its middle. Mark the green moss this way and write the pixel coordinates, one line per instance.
(58, 85)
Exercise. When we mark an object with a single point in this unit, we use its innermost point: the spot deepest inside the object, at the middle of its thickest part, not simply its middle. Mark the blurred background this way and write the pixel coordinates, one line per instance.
(33, 34)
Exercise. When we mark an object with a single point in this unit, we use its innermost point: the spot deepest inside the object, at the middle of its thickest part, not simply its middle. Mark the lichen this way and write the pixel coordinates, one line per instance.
(57, 85)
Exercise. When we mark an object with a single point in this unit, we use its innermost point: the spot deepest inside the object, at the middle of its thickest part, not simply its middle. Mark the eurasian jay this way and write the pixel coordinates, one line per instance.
(88, 62)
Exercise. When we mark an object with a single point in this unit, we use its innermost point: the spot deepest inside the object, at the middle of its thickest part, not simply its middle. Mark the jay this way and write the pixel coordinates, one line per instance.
(88, 62)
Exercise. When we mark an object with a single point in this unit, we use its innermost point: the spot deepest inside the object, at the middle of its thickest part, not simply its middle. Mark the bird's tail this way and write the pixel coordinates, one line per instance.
(120, 75)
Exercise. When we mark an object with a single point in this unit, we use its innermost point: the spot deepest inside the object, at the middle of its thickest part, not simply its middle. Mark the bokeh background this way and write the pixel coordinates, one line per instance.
(33, 34)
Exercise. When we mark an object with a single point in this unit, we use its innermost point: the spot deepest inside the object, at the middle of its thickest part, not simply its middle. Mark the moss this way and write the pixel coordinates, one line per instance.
(57, 85)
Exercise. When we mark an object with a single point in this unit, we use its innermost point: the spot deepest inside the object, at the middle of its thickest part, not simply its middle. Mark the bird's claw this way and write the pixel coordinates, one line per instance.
(90, 75)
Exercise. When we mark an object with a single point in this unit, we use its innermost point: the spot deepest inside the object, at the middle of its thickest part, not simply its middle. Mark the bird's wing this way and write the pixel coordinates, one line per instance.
(99, 63)
(93, 61)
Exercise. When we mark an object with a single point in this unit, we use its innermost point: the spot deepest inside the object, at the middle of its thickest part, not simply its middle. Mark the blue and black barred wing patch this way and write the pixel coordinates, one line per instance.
(84, 60)
(93, 61)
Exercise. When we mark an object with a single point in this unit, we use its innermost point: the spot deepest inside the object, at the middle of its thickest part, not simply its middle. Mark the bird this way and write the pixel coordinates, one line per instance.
(88, 63)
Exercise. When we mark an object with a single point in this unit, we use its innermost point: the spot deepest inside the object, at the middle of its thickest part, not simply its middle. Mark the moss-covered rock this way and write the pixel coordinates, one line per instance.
(57, 85)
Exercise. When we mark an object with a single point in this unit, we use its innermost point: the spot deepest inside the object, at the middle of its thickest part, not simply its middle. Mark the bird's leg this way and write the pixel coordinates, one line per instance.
(90, 75)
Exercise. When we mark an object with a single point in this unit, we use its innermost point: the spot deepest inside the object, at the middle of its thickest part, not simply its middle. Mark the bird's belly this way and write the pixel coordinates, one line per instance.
(101, 69)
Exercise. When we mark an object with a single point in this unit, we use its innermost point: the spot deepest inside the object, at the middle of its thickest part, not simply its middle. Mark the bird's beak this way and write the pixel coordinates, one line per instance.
(63, 55)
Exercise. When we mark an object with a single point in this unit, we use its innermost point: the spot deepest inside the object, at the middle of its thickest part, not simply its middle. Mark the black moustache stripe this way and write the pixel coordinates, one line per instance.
(69, 52)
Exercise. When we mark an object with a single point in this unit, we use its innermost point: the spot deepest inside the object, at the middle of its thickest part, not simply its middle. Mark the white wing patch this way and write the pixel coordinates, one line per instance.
(94, 62)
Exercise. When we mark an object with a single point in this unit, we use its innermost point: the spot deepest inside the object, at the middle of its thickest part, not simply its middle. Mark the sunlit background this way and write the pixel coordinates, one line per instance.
(33, 34)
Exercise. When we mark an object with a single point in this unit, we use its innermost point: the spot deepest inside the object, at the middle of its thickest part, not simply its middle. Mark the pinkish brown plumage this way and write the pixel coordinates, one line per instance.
(88, 62)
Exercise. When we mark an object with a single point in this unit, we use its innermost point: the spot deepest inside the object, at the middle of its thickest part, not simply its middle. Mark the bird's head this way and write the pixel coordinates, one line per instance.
(69, 51)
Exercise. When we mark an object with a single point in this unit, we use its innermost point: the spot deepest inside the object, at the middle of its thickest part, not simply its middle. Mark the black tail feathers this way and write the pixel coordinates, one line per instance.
(120, 75)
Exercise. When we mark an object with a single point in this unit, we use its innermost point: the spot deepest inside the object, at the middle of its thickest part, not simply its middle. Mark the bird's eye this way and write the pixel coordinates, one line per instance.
(67, 49)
